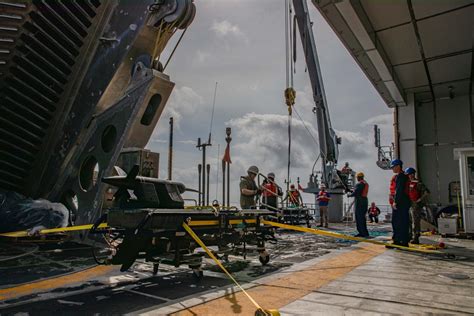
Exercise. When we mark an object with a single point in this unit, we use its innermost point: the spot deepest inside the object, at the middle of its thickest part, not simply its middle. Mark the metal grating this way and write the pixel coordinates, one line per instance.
(40, 42)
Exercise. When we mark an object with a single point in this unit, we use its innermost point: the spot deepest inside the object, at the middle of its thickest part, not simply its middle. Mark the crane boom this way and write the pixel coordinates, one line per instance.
(328, 141)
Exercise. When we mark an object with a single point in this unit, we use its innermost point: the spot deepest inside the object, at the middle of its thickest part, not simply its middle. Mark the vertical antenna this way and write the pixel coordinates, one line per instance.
(170, 151)
(217, 170)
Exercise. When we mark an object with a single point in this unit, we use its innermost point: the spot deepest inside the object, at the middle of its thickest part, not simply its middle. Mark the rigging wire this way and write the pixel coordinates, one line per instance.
(174, 49)
(289, 92)
(212, 113)
(306, 127)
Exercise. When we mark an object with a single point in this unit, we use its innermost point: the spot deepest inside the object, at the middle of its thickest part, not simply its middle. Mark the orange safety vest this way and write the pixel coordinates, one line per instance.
(294, 197)
(323, 196)
(413, 192)
(365, 191)
(270, 190)
(393, 187)
(373, 211)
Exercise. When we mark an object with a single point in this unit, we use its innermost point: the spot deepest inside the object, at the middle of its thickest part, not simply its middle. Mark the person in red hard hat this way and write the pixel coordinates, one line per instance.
(374, 213)
(294, 196)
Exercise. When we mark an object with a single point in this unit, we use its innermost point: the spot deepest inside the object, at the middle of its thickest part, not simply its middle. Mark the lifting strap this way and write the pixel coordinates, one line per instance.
(347, 237)
(260, 310)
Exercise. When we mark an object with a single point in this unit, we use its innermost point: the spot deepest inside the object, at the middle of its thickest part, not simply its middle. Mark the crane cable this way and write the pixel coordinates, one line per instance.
(306, 127)
(158, 47)
(290, 93)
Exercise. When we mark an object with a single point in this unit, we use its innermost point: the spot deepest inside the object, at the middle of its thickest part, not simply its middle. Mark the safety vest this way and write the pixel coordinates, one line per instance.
(413, 192)
(294, 197)
(323, 196)
(373, 211)
(393, 187)
(270, 190)
(365, 190)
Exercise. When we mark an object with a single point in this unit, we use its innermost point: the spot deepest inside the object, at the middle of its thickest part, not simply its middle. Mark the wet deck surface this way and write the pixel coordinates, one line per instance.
(307, 275)
(27, 262)
(125, 298)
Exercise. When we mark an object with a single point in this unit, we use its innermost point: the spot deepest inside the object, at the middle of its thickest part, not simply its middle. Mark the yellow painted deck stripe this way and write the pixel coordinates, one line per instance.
(289, 287)
(53, 283)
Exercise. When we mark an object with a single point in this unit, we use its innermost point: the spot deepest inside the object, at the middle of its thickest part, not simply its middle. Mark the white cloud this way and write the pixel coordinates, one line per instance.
(354, 145)
(187, 142)
(383, 119)
(201, 56)
(183, 102)
(255, 82)
(225, 28)
(262, 140)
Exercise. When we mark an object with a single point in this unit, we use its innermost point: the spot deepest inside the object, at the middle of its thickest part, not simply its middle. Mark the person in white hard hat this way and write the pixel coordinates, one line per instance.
(323, 201)
(249, 189)
(270, 192)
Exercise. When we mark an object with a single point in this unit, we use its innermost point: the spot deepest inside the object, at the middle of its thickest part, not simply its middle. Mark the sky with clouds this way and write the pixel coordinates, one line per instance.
(240, 44)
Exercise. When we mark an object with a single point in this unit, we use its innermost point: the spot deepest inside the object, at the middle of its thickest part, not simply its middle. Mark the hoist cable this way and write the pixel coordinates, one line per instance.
(306, 127)
(212, 113)
(174, 49)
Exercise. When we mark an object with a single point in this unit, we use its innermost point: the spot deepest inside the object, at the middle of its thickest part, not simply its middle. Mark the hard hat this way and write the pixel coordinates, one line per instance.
(396, 162)
(253, 169)
(410, 170)
(271, 175)
(292, 186)
(360, 175)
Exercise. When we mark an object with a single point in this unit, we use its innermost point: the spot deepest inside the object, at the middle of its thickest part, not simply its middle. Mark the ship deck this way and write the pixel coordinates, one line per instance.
(308, 275)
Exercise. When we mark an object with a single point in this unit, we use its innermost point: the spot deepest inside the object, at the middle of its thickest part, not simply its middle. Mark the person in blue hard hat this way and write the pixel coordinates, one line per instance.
(418, 194)
(361, 190)
(401, 203)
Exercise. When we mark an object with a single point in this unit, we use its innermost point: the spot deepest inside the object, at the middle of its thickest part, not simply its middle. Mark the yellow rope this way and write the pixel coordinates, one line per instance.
(347, 237)
(24, 233)
(211, 255)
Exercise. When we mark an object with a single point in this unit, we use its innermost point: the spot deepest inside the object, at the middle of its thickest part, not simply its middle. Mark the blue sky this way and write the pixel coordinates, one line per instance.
(240, 44)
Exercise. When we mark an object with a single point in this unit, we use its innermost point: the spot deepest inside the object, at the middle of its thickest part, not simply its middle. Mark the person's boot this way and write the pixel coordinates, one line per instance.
(326, 225)
(320, 225)
(416, 240)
